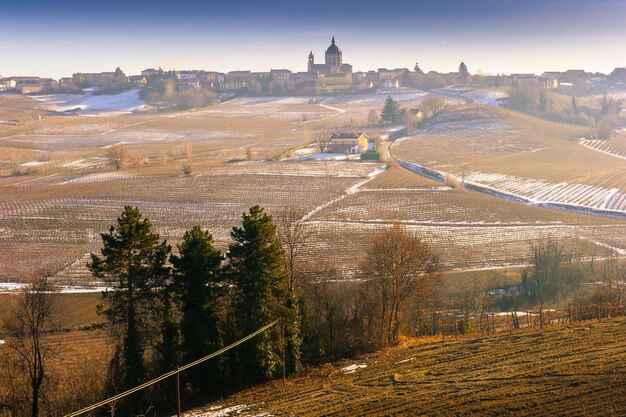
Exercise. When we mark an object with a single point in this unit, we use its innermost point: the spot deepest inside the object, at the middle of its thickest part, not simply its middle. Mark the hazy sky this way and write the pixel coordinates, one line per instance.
(60, 37)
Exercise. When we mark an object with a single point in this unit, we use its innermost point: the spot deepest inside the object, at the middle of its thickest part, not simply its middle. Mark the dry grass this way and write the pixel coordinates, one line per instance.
(571, 370)
(398, 178)
(497, 140)
(73, 310)
(57, 220)
(51, 217)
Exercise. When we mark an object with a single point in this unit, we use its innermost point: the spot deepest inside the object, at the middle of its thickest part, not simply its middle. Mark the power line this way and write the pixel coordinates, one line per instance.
(171, 373)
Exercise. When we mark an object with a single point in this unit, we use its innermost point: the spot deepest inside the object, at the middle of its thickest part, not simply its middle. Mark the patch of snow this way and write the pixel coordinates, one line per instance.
(218, 411)
(12, 287)
(353, 368)
(84, 163)
(123, 142)
(126, 101)
(326, 157)
(32, 163)
(405, 361)
(6, 287)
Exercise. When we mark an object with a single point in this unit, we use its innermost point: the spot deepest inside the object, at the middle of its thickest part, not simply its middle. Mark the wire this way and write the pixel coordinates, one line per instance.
(171, 373)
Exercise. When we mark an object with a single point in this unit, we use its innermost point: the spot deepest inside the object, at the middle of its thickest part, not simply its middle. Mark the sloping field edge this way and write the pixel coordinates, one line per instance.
(474, 186)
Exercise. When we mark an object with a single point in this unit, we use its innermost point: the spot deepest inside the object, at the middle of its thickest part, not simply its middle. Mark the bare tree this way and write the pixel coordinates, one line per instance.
(321, 140)
(398, 264)
(434, 104)
(32, 318)
(547, 258)
(372, 117)
(474, 300)
(116, 154)
(293, 235)
(613, 280)
(328, 313)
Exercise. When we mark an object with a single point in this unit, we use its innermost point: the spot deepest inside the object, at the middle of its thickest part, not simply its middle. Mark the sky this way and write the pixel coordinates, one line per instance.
(61, 37)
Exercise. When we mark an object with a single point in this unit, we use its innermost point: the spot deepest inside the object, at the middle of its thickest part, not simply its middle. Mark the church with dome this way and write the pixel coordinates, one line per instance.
(333, 70)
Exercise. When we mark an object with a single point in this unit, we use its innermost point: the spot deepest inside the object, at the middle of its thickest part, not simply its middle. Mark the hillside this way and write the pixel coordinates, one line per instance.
(570, 371)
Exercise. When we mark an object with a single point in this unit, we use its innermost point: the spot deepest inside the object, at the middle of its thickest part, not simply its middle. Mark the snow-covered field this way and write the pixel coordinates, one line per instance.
(123, 102)
(326, 157)
(401, 96)
(482, 96)
(13, 287)
(607, 147)
(544, 192)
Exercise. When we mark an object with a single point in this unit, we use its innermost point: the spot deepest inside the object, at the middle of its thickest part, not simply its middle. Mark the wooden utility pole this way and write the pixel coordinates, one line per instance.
(178, 392)
(284, 355)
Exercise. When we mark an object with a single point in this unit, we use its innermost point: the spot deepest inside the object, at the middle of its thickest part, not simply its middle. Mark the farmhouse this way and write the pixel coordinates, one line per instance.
(139, 80)
(353, 143)
(6, 85)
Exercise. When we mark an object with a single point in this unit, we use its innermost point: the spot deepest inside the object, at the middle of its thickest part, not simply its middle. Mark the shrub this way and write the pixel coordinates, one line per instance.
(370, 156)
(187, 170)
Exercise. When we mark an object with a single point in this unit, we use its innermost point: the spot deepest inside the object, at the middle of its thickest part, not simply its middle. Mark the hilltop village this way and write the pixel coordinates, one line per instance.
(332, 76)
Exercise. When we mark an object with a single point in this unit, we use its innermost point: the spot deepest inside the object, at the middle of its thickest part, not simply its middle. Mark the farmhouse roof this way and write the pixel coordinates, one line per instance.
(346, 135)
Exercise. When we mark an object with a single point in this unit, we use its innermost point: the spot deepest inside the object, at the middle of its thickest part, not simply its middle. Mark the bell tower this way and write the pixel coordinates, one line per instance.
(311, 62)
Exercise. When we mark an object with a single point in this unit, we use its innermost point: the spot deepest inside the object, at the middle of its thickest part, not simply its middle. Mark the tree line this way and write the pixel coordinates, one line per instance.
(171, 307)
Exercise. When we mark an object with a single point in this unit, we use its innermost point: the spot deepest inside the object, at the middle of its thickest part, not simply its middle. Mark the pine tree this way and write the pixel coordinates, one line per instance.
(575, 106)
(134, 261)
(198, 287)
(261, 296)
(463, 69)
(392, 112)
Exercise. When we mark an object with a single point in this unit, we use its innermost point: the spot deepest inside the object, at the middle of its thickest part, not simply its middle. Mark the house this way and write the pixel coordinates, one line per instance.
(100, 79)
(281, 77)
(188, 84)
(150, 72)
(353, 143)
(385, 74)
(549, 82)
(7, 85)
(32, 85)
(389, 84)
(364, 85)
(234, 85)
(30, 88)
(139, 80)
(213, 76)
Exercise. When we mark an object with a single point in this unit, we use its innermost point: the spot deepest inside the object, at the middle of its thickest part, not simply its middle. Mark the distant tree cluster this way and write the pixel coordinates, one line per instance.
(536, 101)
(164, 91)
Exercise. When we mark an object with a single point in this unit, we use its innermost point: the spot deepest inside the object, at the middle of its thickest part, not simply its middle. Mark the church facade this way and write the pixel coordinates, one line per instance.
(333, 71)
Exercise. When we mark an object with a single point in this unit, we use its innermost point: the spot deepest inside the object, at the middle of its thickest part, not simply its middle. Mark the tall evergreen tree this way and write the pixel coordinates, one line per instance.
(198, 286)
(463, 68)
(134, 261)
(261, 295)
(392, 112)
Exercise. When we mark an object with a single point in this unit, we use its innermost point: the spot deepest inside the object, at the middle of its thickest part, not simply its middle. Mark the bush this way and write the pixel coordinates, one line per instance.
(604, 130)
(452, 181)
(187, 170)
(370, 156)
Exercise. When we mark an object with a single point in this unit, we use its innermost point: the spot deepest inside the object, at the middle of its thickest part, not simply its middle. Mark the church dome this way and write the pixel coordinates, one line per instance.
(333, 49)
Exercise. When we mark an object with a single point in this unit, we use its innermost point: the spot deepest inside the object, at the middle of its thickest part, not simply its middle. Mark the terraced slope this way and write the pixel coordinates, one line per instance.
(567, 371)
